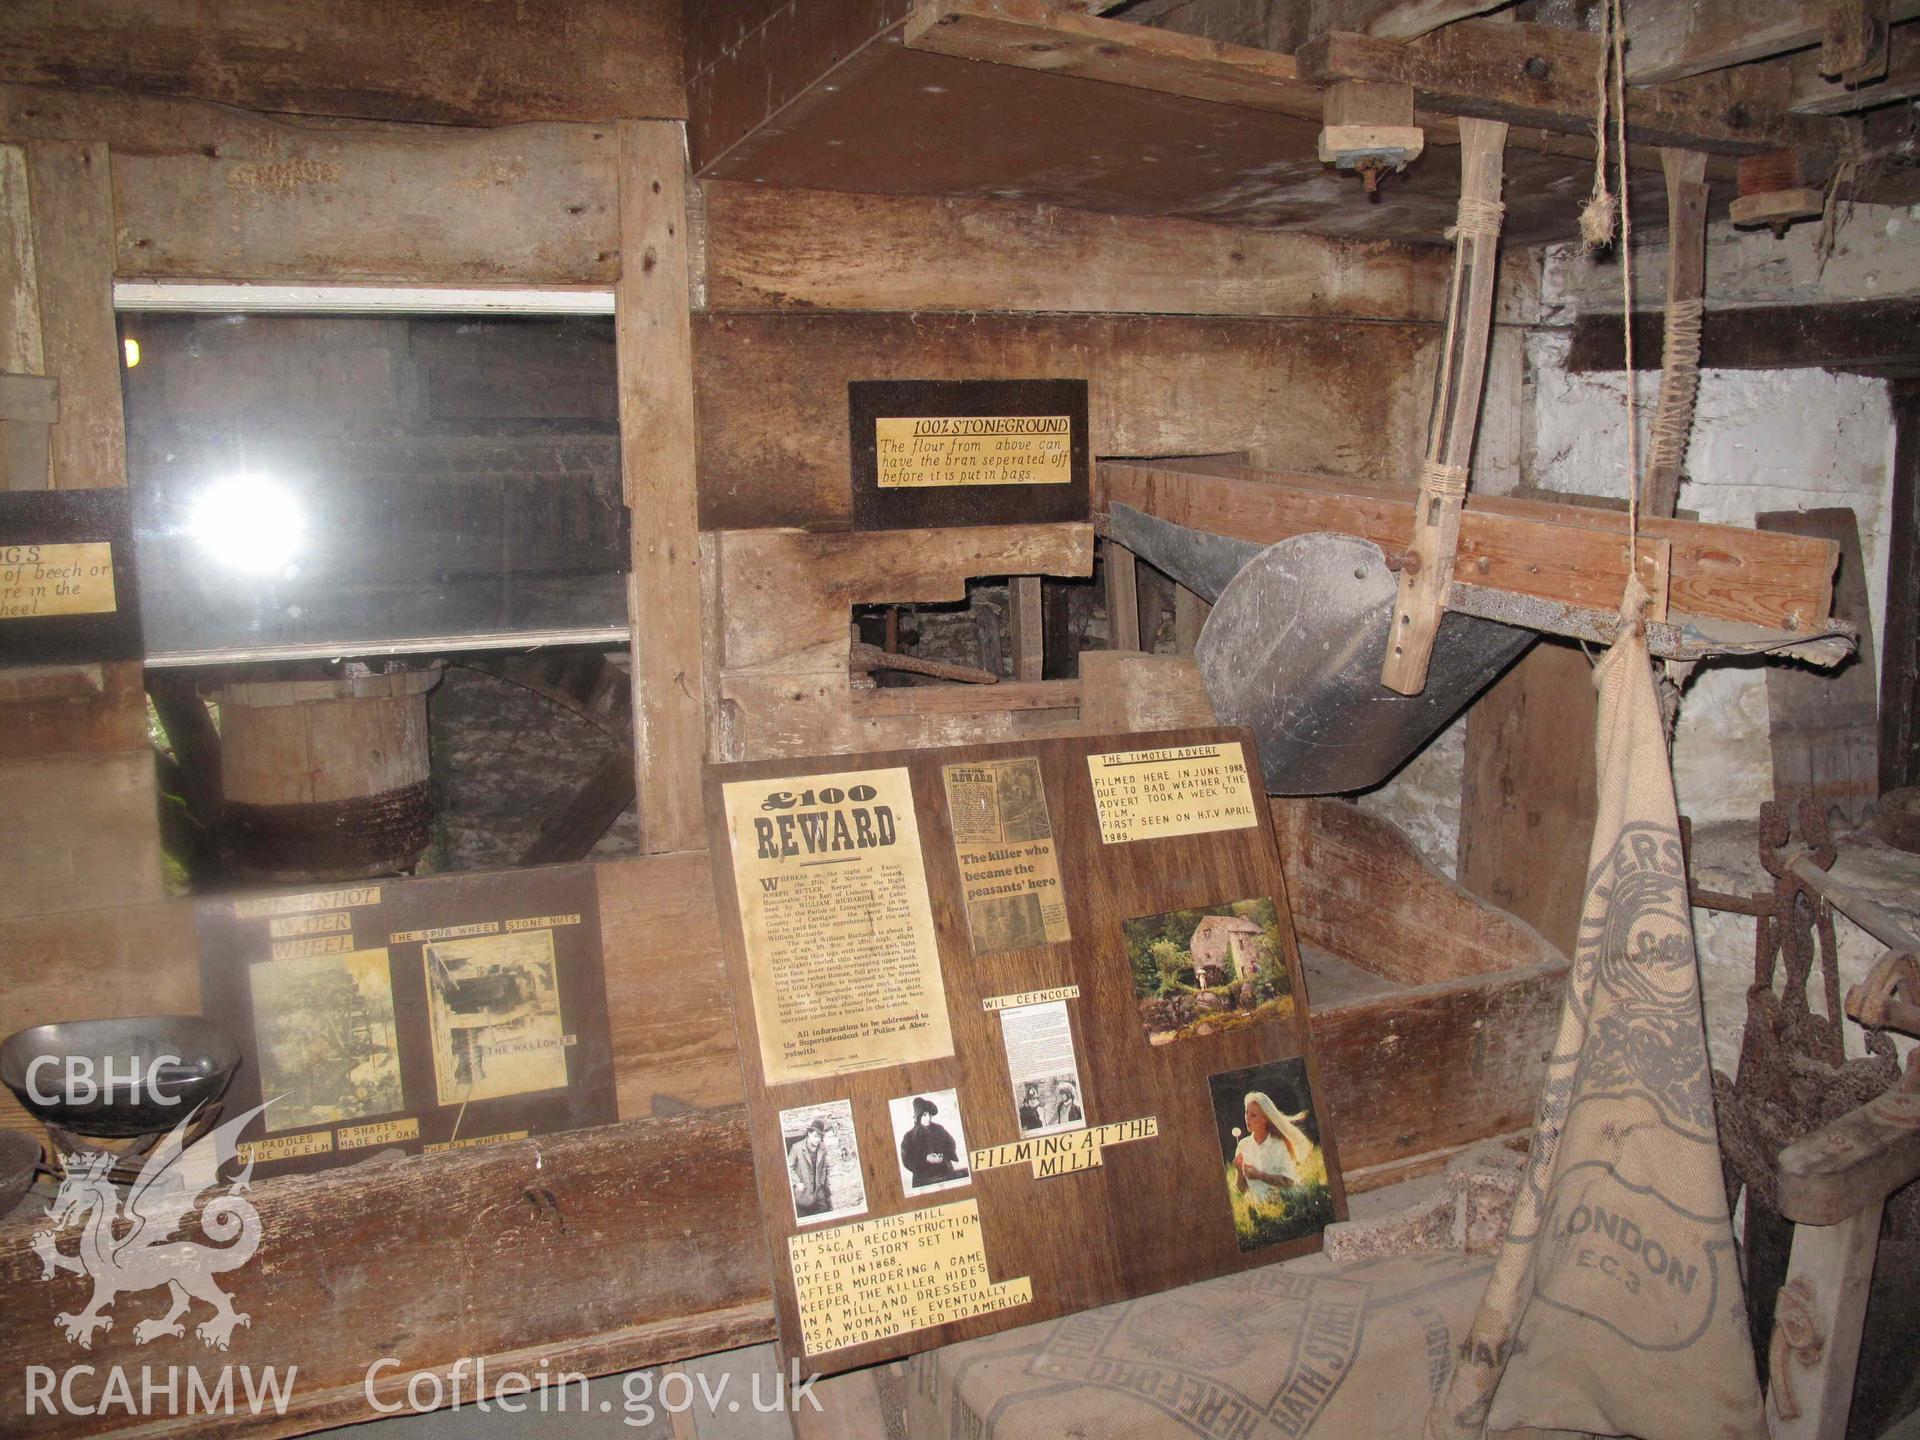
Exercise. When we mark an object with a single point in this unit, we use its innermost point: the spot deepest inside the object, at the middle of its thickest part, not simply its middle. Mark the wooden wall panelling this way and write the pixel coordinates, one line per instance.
(1527, 796)
(205, 192)
(73, 246)
(770, 247)
(771, 393)
(443, 62)
(1023, 620)
(24, 447)
(591, 1252)
(779, 607)
(658, 466)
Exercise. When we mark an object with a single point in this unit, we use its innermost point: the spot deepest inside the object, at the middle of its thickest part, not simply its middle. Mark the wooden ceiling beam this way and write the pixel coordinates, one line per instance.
(1541, 75)
(1880, 337)
(1672, 38)
(1536, 78)
(1811, 93)
(1410, 19)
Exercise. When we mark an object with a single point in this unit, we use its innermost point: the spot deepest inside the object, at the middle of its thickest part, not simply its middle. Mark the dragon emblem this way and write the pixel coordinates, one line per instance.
(127, 1246)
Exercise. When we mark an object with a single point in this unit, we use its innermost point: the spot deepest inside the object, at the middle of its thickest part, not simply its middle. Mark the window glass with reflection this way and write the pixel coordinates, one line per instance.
(351, 483)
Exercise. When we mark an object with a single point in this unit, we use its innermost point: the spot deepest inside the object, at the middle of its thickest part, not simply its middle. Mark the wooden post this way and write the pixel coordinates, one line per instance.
(1189, 615)
(1686, 173)
(655, 352)
(1900, 653)
(1426, 572)
(1123, 596)
(1818, 1316)
(1029, 645)
(73, 253)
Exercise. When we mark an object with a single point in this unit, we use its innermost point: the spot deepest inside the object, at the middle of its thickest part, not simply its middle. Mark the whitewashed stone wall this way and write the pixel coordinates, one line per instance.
(1762, 440)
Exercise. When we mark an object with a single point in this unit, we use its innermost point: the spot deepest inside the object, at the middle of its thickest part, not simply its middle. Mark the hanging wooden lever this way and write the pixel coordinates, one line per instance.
(1426, 570)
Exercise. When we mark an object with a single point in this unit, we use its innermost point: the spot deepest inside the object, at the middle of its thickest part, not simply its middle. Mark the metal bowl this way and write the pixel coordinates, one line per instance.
(200, 1058)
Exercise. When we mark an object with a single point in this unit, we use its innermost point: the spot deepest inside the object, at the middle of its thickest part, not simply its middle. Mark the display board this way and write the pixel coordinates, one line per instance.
(420, 1015)
(67, 593)
(932, 453)
(1023, 1031)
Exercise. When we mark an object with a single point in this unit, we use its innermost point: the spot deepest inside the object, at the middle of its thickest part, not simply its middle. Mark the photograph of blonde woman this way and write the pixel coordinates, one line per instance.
(1275, 1170)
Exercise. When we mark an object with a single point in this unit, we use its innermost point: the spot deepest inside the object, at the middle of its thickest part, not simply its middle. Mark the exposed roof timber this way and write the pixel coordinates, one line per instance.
(1879, 337)
(1410, 19)
(1543, 76)
(1811, 93)
(1671, 38)
(1535, 77)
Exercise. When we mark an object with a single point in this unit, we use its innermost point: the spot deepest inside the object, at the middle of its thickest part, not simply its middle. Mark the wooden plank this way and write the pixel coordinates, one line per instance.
(1426, 571)
(1527, 796)
(1023, 620)
(776, 248)
(1674, 40)
(1823, 726)
(1871, 335)
(1044, 37)
(571, 831)
(779, 606)
(771, 393)
(1857, 1161)
(97, 837)
(1409, 19)
(73, 243)
(1543, 76)
(1122, 690)
(863, 120)
(657, 460)
(205, 192)
(1121, 573)
(1900, 655)
(1819, 1314)
(72, 710)
(442, 62)
(560, 1253)
(1811, 93)
(20, 345)
(1092, 1248)
(1557, 552)
(1360, 887)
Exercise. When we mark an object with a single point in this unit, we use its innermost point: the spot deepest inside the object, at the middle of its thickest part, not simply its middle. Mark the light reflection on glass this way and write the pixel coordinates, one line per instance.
(248, 523)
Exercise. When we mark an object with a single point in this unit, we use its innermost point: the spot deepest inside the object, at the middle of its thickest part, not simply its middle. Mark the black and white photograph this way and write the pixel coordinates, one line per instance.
(327, 1044)
(1042, 1067)
(929, 1142)
(823, 1162)
(494, 1002)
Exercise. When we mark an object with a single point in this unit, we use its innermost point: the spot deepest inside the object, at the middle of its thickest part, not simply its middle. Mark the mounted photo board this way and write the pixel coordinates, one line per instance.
(67, 593)
(1023, 1031)
(934, 453)
(419, 1015)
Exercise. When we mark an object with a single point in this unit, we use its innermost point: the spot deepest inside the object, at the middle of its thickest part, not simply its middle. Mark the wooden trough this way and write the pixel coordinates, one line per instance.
(640, 1242)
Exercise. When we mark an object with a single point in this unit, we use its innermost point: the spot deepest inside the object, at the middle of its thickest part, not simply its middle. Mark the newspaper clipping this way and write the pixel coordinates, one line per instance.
(1004, 842)
(839, 933)
(1041, 1063)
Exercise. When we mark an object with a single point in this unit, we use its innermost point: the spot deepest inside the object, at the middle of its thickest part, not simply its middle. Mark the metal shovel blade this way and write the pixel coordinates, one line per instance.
(1293, 650)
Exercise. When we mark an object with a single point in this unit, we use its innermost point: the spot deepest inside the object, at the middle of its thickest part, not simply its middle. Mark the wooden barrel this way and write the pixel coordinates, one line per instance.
(325, 779)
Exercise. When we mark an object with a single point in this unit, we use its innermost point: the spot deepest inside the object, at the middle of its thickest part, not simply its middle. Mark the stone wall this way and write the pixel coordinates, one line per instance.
(1762, 440)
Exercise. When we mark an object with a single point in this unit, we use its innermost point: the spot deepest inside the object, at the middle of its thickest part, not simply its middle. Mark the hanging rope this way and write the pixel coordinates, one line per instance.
(1679, 384)
(1475, 218)
(1596, 216)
